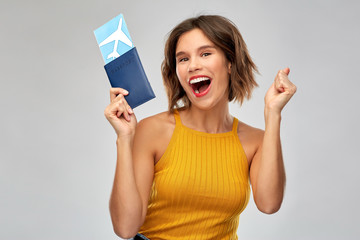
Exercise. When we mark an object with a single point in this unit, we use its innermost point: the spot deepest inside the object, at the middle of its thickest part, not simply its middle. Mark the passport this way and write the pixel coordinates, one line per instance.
(122, 62)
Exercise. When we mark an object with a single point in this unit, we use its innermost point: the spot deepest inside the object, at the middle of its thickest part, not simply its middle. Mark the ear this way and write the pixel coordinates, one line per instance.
(229, 67)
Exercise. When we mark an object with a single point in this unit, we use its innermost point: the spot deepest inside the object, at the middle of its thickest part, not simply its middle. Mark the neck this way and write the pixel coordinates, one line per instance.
(214, 120)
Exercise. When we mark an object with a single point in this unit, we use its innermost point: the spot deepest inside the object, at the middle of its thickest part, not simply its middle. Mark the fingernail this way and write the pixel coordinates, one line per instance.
(130, 111)
(125, 92)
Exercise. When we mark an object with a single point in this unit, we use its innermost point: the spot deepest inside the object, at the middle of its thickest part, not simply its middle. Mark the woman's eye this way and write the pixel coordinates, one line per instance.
(183, 59)
(206, 54)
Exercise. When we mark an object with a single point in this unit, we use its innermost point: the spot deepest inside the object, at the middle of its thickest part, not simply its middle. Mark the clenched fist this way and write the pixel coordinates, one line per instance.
(280, 92)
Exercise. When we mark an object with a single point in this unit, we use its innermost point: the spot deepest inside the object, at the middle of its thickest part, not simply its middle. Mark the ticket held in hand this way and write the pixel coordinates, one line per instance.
(122, 63)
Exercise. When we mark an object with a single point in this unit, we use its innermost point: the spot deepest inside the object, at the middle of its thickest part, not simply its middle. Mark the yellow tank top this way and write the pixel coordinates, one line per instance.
(200, 186)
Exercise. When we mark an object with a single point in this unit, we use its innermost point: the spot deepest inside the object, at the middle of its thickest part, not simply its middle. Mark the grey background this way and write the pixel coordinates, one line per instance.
(58, 151)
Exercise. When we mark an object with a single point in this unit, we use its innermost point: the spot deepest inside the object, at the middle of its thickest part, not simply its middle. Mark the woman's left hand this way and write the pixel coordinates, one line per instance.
(280, 92)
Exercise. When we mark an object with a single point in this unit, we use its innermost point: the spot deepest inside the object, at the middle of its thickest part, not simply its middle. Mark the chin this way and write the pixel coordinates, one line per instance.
(205, 104)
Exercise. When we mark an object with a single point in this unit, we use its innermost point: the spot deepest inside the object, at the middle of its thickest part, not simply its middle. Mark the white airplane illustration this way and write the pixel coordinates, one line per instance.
(116, 36)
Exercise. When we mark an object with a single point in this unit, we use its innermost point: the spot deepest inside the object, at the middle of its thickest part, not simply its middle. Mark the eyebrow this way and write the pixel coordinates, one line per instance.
(200, 48)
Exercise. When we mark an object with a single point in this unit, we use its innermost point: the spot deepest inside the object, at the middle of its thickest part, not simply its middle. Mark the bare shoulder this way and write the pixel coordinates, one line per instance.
(155, 132)
(249, 131)
(250, 138)
(157, 123)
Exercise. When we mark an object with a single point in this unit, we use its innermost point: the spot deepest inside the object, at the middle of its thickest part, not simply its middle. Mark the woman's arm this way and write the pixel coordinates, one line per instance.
(129, 197)
(132, 183)
(267, 173)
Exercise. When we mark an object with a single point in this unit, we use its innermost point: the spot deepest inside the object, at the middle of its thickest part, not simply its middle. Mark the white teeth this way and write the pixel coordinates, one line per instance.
(196, 80)
(196, 91)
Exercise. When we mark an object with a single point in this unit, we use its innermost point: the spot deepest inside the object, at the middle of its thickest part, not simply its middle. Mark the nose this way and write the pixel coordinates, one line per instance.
(194, 65)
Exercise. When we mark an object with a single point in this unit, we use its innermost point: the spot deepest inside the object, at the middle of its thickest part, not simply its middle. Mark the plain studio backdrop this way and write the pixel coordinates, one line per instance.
(58, 151)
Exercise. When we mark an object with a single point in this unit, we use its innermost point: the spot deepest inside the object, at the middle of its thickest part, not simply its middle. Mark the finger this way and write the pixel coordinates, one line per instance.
(126, 115)
(286, 70)
(113, 110)
(122, 101)
(280, 88)
(130, 111)
(287, 85)
(282, 80)
(114, 92)
(121, 97)
(278, 83)
(123, 109)
(117, 106)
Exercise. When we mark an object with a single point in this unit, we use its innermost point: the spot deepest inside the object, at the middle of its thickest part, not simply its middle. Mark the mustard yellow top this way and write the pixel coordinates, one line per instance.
(201, 185)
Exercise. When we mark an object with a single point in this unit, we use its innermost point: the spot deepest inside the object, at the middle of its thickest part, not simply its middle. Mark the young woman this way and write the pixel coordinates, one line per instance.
(184, 173)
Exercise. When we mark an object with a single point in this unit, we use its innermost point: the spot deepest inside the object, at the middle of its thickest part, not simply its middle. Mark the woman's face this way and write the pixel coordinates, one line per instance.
(202, 69)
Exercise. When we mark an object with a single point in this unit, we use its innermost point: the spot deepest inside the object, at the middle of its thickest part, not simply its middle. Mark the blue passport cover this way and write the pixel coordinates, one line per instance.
(123, 66)
(127, 72)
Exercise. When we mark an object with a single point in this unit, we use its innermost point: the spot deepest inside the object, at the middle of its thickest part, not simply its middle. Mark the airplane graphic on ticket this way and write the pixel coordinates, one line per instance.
(113, 38)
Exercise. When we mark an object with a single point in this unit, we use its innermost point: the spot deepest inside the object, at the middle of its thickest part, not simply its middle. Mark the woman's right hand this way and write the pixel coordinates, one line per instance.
(119, 113)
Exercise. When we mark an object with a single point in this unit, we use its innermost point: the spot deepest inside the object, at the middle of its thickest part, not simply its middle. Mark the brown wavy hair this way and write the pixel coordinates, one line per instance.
(225, 35)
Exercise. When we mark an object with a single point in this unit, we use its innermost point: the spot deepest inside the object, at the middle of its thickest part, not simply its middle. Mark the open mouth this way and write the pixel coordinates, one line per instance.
(200, 85)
